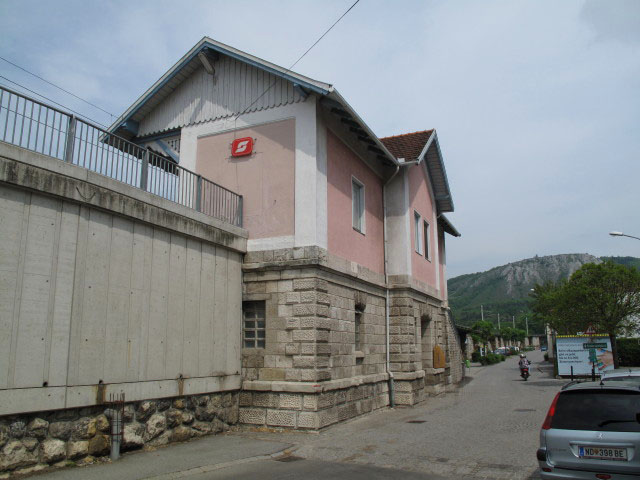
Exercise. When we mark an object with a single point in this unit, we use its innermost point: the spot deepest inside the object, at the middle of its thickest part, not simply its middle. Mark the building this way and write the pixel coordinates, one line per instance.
(344, 280)
(239, 247)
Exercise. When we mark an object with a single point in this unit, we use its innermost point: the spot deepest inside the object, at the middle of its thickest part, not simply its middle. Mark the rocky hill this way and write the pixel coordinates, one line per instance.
(505, 289)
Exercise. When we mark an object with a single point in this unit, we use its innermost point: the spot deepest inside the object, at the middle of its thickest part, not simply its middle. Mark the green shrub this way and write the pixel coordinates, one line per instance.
(492, 358)
(628, 352)
(475, 357)
(546, 357)
(502, 358)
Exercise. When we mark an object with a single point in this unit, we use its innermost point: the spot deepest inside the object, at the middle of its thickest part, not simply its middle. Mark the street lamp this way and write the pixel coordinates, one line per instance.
(620, 234)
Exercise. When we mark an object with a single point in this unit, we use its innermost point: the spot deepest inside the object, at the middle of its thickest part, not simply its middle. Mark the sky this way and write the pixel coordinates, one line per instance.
(536, 103)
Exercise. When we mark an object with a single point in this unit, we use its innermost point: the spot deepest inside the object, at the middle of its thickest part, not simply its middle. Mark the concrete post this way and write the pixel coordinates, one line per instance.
(144, 170)
(70, 140)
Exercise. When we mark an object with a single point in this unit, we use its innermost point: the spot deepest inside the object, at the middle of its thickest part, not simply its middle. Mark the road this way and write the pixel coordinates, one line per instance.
(488, 428)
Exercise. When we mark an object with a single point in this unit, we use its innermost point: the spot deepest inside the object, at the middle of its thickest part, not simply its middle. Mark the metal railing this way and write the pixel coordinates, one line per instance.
(38, 127)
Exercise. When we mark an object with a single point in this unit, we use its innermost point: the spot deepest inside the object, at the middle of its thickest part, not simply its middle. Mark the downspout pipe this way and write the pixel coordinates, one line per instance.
(392, 401)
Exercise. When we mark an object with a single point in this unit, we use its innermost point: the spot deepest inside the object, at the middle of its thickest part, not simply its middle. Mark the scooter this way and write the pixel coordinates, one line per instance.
(524, 373)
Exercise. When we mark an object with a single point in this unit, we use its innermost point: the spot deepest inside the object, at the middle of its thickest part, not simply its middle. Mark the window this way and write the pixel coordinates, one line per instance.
(358, 330)
(417, 223)
(357, 203)
(253, 324)
(359, 334)
(427, 247)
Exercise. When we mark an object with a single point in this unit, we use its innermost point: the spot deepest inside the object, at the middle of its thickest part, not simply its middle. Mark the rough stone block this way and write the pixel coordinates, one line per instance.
(304, 362)
(265, 399)
(310, 402)
(293, 348)
(290, 401)
(99, 445)
(52, 450)
(328, 417)
(38, 428)
(253, 416)
(77, 449)
(304, 284)
(61, 430)
(84, 428)
(292, 323)
(281, 418)
(16, 455)
(309, 420)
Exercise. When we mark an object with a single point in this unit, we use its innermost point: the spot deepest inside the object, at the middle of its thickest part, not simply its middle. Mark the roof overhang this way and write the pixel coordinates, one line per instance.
(204, 53)
(201, 55)
(434, 162)
(447, 226)
(338, 106)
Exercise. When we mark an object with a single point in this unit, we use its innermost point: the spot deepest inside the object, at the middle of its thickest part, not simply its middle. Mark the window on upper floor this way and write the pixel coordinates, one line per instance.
(254, 324)
(417, 232)
(427, 237)
(357, 203)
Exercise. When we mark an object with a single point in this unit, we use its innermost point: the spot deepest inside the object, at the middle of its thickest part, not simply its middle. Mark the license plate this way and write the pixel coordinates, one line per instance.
(603, 453)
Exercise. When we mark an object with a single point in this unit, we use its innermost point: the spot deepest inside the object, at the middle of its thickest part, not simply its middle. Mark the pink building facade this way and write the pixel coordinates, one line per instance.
(344, 283)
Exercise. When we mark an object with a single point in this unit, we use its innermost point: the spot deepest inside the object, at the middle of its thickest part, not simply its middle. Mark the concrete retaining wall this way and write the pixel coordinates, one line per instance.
(106, 288)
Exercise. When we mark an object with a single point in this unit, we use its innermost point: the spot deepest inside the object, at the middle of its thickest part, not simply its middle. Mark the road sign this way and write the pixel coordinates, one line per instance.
(588, 346)
(590, 330)
(592, 355)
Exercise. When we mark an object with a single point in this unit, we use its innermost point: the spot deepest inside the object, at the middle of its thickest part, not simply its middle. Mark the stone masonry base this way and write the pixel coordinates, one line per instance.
(33, 441)
(310, 406)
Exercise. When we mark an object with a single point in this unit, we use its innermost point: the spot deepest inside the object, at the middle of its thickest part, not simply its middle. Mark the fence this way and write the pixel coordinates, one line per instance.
(38, 127)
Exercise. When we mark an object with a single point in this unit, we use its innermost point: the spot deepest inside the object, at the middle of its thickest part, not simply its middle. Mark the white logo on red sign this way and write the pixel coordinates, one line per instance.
(241, 147)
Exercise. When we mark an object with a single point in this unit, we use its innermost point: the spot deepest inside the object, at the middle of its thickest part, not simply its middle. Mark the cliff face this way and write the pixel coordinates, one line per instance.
(516, 279)
(506, 289)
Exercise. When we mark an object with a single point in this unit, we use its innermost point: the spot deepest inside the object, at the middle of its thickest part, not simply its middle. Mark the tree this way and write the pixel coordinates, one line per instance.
(482, 331)
(606, 295)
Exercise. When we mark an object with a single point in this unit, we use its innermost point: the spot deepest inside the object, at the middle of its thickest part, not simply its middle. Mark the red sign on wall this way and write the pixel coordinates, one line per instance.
(241, 147)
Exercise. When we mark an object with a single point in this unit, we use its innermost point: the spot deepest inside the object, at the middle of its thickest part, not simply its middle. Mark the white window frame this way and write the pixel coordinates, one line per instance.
(361, 214)
(426, 229)
(417, 234)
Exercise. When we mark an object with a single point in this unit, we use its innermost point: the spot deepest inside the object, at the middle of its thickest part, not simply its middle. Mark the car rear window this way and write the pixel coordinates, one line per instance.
(602, 410)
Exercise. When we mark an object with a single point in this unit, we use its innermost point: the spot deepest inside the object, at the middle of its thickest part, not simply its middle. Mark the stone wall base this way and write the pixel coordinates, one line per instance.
(34, 441)
(311, 407)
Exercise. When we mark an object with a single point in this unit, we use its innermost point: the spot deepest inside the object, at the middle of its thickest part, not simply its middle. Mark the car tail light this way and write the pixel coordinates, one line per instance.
(552, 410)
(546, 469)
(603, 476)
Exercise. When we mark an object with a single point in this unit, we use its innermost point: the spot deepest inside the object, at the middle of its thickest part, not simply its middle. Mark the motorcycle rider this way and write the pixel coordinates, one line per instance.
(524, 362)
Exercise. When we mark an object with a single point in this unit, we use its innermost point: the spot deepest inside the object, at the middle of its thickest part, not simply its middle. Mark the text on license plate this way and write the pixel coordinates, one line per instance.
(603, 453)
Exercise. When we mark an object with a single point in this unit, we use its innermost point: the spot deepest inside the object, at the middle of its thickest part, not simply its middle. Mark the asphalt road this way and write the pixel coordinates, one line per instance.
(488, 428)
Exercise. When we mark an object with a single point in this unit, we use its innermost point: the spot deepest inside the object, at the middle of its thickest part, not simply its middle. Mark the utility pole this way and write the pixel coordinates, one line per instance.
(481, 313)
(526, 321)
(498, 322)
(513, 317)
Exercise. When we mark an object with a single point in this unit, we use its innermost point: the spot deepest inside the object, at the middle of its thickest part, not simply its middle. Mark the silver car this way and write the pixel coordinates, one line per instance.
(592, 431)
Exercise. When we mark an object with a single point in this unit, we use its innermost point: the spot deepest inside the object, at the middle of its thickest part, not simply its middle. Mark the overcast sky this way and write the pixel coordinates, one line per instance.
(536, 103)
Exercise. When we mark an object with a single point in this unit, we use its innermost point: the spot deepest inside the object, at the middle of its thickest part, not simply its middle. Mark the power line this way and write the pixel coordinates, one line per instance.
(58, 87)
(53, 101)
(300, 58)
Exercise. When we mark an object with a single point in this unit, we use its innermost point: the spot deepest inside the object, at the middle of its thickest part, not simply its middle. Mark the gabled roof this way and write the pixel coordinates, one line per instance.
(192, 60)
(409, 145)
(424, 146)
